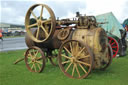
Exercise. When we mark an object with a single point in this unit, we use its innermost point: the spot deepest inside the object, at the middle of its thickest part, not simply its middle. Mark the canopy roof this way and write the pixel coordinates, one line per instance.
(111, 24)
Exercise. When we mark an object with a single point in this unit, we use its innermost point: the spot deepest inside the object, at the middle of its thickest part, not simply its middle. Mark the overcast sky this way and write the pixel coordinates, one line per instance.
(14, 11)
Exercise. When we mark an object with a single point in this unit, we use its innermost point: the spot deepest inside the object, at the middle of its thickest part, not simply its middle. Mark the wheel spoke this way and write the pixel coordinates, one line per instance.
(114, 50)
(30, 62)
(77, 70)
(68, 51)
(35, 68)
(41, 13)
(66, 62)
(73, 69)
(114, 46)
(82, 68)
(32, 25)
(65, 56)
(34, 15)
(30, 55)
(39, 62)
(37, 34)
(110, 40)
(80, 51)
(46, 33)
(83, 63)
(113, 43)
(84, 56)
(46, 21)
(77, 47)
(38, 66)
(68, 67)
(32, 66)
(38, 58)
(36, 53)
(71, 48)
(29, 58)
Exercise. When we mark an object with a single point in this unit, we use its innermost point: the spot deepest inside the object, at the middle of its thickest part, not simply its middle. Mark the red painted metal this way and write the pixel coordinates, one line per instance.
(115, 46)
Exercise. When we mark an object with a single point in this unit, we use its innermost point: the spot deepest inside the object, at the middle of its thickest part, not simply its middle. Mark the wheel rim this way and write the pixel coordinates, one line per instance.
(34, 59)
(109, 56)
(114, 45)
(79, 61)
(45, 28)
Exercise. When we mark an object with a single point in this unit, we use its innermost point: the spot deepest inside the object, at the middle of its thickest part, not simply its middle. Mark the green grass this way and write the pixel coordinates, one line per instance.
(10, 74)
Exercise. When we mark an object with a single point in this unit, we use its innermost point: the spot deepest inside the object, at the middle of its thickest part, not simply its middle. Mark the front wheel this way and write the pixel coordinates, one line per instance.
(34, 59)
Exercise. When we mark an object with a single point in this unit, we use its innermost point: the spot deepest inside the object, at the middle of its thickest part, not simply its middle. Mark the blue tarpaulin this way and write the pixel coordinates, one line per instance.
(111, 25)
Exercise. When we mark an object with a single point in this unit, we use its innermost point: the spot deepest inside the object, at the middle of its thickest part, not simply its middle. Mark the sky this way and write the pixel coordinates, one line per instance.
(14, 11)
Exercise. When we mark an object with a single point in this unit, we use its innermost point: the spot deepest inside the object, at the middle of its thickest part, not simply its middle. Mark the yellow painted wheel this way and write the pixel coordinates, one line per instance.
(44, 24)
(34, 59)
(79, 61)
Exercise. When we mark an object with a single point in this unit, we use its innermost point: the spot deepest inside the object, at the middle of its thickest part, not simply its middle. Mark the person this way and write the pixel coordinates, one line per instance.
(1, 36)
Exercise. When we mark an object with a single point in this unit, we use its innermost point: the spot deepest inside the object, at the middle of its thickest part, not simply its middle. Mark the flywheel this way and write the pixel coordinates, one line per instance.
(41, 18)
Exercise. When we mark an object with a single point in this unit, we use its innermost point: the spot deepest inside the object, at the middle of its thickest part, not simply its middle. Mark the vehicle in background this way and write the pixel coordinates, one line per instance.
(115, 32)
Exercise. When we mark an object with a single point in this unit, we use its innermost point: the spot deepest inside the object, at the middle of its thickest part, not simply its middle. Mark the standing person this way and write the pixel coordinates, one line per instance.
(1, 36)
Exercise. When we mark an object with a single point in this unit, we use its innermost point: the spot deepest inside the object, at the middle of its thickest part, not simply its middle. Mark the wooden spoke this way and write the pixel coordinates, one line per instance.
(37, 33)
(29, 58)
(36, 53)
(71, 47)
(73, 69)
(87, 56)
(83, 63)
(68, 67)
(32, 66)
(77, 46)
(34, 15)
(82, 68)
(66, 56)
(45, 21)
(35, 68)
(80, 51)
(30, 55)
(77, 70)
(66, 62)
(38, 58)
(38, 66)
(32, 25)
(39, 62)
(46, 33)
(41, 13)
(30, 62)
(68, 51)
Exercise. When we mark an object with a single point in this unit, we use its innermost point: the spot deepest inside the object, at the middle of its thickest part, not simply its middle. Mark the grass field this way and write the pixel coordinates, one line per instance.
(10, 74)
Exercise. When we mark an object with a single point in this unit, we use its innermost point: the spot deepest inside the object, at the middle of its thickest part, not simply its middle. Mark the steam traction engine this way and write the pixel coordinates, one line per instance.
(79, 43)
